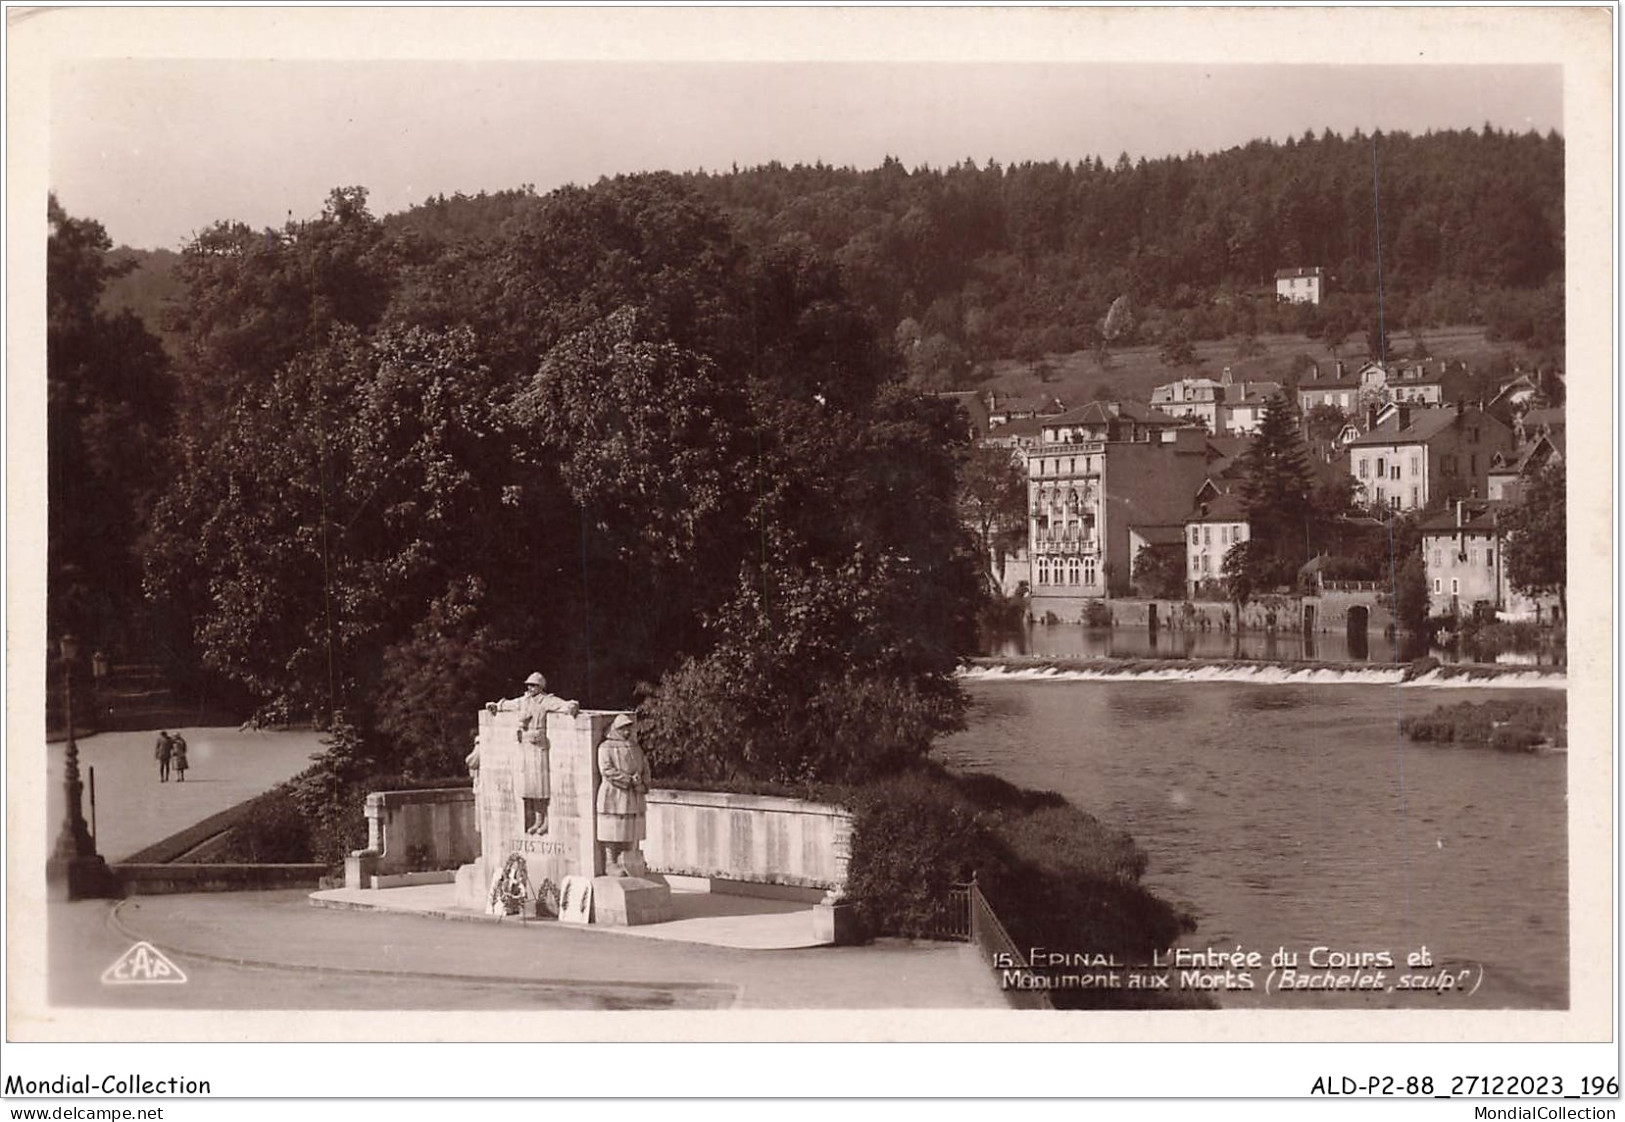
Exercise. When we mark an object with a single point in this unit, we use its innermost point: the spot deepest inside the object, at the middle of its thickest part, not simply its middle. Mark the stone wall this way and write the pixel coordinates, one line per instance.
(748, 838)
(1331, 612)
(412, 832)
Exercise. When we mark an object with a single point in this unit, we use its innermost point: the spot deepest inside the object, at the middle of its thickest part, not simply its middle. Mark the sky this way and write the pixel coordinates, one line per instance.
(159, 149)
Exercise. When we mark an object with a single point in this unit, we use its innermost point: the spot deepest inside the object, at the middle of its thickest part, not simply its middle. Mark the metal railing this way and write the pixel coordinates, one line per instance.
(998, 950)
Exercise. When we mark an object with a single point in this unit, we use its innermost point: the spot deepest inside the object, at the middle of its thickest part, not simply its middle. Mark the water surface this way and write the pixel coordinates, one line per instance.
(1298, 816)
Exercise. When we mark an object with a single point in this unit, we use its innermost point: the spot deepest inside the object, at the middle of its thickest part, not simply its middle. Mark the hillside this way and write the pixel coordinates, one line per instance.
(973, 265)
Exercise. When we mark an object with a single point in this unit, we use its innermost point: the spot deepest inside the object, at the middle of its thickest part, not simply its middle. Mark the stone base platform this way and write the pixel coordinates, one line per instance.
(711, 918)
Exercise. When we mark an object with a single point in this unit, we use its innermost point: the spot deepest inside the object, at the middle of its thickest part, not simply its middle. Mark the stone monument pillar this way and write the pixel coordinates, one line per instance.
(534, 797)
(537, 799)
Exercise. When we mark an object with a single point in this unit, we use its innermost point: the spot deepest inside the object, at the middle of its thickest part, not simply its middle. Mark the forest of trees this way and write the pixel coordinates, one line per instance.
(1027, 259)
(972, 263)
(666, 429)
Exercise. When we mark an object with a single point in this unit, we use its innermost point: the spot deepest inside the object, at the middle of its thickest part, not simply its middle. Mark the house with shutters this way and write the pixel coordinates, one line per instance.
(1216, 525)
(1419, 458)
(1464, 557)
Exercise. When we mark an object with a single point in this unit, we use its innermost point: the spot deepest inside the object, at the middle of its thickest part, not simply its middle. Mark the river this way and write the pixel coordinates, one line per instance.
(1297, 816)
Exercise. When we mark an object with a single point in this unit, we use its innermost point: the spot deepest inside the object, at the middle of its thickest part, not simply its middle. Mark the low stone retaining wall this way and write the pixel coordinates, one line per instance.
(1331, 612)
(415, 837)
(156, 880)
(754, 839)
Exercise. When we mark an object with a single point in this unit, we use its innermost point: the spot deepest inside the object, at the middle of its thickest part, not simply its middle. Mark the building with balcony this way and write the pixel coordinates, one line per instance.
(1098, 472)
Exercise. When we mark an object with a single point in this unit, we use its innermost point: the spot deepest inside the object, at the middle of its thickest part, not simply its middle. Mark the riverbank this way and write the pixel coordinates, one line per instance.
(1259, 672)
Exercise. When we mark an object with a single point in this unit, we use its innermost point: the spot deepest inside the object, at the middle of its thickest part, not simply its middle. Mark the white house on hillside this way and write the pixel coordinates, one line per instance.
(1300, 286)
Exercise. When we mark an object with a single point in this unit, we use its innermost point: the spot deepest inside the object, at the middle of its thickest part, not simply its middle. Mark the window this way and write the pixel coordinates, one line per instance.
(1204, 564)
(1043, 570)
(1382, 468)
(1393, 472)
(1073, 570)
(1489, 558)
(1416, 496)
(1438, 562)
(1436, 583)
(1472, 464)
(1365, 467)
(1393, 502)
(1072, 466)
(1416, 465)
(1196, 535)
(1089, 570)
(1455, 586)
(1207, 535)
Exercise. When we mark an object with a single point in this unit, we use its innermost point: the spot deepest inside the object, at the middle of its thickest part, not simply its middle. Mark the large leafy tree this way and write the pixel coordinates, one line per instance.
(108, 412)
(602, 439)
(993, 501)
(1536, 530)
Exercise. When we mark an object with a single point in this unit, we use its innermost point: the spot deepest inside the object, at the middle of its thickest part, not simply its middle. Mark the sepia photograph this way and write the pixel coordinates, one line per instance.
(833, 524)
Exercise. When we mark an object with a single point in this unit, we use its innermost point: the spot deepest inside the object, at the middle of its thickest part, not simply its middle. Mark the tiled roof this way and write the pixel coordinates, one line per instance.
(1348, 380)
(1105, 412)
(1302, 271)
(1425, 425)
(1478, 515)
(1256, 391)
(1224, 508)
(1021, 426)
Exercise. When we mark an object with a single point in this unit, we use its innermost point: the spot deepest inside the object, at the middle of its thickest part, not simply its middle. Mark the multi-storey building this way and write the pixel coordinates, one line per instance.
(1464, 555)
(1097, 471)
(1224, 406)
(1419, 457)
(1211, 531)
(1340, 388)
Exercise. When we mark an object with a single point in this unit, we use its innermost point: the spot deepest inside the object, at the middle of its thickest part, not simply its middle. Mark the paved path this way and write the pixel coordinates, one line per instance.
(134, 810)
(713, 918)
(273, 950)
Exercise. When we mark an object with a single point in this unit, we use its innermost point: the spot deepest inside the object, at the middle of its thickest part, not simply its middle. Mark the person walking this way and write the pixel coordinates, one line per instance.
(163, 752)
(180, 757)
